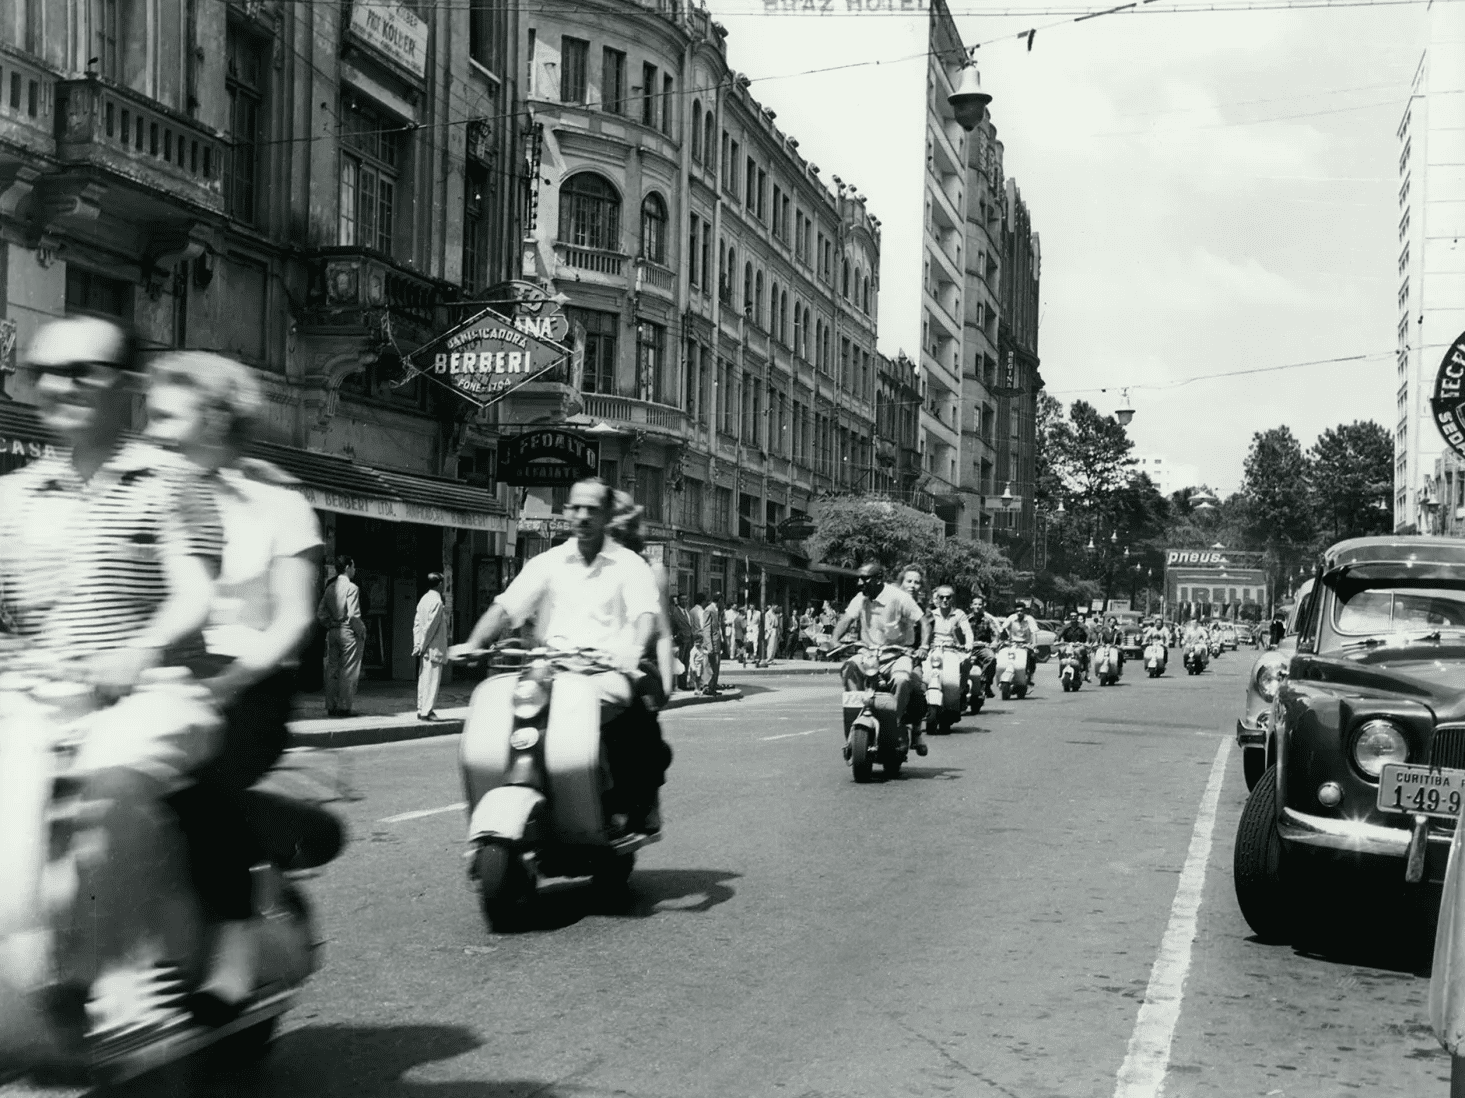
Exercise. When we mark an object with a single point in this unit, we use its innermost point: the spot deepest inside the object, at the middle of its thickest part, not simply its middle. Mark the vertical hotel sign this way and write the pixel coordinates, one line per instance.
(393, 30)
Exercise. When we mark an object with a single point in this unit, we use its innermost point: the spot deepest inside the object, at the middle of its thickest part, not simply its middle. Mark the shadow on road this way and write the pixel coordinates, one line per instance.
(650, 892)
(928, 773)
(366, 1062)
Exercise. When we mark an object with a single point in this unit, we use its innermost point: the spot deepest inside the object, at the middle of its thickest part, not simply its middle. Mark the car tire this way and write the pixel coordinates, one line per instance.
(1259, 866)
(1253, 765)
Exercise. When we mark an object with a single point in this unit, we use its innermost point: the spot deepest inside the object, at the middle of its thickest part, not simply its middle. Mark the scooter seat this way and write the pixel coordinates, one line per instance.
(294, 835)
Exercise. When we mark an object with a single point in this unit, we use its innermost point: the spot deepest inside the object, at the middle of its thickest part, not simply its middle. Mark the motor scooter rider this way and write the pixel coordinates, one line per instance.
(1074, 632)
(108, 553)
(1022, 628)
(885, 614)
(949, 623)
(985, 631)
(595, 594)
(1154, 633)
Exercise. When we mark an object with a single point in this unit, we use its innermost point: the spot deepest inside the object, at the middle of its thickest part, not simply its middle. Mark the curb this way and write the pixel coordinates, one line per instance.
(798, 667)
(368, 731)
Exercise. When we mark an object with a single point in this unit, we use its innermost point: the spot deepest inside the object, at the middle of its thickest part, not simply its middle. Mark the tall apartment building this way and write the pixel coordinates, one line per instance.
(1431, 264)
(979, 367)
(314, 189)
(727, 292)
(898, 433)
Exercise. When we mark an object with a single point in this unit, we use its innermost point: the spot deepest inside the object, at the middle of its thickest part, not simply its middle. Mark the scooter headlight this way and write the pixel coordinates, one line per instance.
(530, 697)
(869, 663)
(936, 660)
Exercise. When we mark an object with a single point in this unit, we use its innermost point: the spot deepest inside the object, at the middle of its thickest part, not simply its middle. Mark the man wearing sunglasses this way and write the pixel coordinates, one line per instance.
(886, 615)
(135, 534)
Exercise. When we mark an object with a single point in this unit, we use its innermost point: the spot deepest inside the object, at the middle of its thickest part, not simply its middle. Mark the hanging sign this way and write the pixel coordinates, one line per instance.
(520, 335)
(393, 29)
(1447, 401)
(552, 457)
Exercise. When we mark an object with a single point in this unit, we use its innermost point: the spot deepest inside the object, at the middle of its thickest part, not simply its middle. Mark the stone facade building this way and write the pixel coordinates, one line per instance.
(314, 189)
(726, 292)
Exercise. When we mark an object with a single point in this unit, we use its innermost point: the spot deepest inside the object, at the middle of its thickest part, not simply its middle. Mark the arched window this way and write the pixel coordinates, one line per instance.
(653, 229)
(783, 316)
(798, 327)
(859, 281)
(697, 130)
(758, 299)
(590, 212)
(772, 307)
(844, 289)
(867, 297)
(709, 127)
(748, 290)
(818, 341)
(808, 323)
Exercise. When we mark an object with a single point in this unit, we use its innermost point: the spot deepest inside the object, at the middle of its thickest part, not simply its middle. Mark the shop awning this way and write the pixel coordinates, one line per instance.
(333, 483)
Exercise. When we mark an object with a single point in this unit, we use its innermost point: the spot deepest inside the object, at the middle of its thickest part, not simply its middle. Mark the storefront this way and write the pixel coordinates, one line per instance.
(22, 437)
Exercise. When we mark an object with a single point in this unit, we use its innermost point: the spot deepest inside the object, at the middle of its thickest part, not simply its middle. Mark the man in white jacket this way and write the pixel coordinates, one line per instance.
(430, 643)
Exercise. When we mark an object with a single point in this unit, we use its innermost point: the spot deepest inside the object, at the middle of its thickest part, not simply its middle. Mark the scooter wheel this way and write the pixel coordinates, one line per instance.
(504, 888)
(861, 752)
(1006, 691)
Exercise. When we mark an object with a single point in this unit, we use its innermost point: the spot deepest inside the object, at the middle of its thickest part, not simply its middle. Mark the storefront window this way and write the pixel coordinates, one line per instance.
(590, 213)
(650, 361)
(371, 156)
(650, 491)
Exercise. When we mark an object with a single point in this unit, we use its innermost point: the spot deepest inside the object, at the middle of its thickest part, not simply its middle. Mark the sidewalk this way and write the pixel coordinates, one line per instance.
(386, 712)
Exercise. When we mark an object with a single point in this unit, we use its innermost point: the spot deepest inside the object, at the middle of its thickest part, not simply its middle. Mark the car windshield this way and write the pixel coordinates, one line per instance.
(1371, 611)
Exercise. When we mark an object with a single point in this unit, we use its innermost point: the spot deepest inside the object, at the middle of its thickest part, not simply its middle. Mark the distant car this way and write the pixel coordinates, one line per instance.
(1366, 763)
(1047, 637)
(1228, 637)
(1262, 684)
(1131, 622)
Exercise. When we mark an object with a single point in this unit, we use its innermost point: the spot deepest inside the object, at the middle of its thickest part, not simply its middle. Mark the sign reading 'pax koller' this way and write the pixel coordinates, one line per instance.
(394, 29)
(1447, 401)
(548, 458)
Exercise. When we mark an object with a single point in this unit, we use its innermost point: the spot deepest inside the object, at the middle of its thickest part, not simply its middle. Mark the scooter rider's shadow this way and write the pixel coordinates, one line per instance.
(928, 773)
(364, 1062)
(649, 892)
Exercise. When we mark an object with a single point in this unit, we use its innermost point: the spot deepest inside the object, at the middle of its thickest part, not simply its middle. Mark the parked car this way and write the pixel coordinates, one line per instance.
(1132, 623)
(1366, 762)
(1047, 637)
(1262, 685)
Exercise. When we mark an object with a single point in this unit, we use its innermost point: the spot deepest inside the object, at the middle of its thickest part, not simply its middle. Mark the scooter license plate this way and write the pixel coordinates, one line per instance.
(1421, 790)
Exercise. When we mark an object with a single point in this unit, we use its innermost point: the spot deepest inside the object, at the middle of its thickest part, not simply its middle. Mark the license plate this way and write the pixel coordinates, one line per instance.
(1424, 790)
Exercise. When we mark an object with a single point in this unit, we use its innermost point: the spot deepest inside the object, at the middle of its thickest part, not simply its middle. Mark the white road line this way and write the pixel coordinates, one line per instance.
(1142, 1075)
(788, 735)
(404, 816)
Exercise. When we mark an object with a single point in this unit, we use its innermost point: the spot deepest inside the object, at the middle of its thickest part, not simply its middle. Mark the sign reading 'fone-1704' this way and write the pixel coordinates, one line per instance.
(498, 351)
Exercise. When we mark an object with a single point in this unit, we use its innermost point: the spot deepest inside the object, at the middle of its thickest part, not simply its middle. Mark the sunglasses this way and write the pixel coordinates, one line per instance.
(93, 375)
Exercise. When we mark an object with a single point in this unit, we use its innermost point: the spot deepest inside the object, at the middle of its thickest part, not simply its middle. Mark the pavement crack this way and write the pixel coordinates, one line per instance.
(953, 1061)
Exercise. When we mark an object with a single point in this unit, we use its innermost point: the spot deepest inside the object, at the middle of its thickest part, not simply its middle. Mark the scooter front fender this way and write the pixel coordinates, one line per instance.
(504, 814)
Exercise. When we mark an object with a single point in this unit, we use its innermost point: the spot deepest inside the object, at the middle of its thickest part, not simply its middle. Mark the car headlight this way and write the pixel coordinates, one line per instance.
(530, 696)
(1270, 674)
(1378, 743)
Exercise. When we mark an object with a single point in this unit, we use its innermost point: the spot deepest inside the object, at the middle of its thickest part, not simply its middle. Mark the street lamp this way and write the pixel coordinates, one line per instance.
(969, 101)
(1059, 510)
(1126, 410)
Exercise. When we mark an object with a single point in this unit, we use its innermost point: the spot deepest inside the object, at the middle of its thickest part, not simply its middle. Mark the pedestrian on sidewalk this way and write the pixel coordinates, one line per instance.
(712, 640)
(736, 633)
(339, 613)
(754, 617)
(772, 630)
(682, 636)
(430, 645)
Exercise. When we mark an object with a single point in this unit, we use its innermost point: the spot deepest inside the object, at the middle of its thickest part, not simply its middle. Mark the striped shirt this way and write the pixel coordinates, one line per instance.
(83, 563)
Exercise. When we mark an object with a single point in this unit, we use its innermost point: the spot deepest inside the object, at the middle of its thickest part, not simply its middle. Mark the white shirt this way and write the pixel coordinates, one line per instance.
(890, 619)
(579, 605)
(261, 522)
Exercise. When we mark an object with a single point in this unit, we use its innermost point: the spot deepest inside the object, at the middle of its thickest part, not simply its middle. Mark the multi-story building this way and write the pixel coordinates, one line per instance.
(727, 294)
(313, 189)
(980, 369)
(1431, 286)
(898, 432)
(1166, 475)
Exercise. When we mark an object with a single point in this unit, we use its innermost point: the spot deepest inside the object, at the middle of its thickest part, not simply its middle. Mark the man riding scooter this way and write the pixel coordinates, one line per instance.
(1156, 634)
(886, 615)
(1074, 633)
(592, 593)
(1022, 628)
(985, 632)
(949, 627)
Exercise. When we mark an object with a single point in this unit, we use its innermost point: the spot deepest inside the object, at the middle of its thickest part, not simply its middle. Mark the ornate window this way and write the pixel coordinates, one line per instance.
(653, 229)
(590, 212)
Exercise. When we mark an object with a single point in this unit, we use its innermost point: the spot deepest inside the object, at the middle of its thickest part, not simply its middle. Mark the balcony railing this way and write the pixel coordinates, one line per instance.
(594, 260)
(627, 410)
(654, 276)
(27, 102)
(347, 278)
(102, 124)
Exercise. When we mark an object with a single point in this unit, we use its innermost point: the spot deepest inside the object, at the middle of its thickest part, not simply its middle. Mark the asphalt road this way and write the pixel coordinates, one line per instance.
(1013, 916)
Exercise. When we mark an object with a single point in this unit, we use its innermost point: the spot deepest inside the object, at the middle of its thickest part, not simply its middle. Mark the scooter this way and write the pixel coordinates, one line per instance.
(1012, 671)
(536, 779)
(876, 735)
(1215, 649)
(1108, 664)
(946, 685)
(1070, 666)
(1197, 656)
(1156, 657)
(51, 834)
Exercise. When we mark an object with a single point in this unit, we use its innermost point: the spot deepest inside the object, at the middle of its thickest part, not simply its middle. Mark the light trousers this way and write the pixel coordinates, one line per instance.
(344, 652)
(429, 679)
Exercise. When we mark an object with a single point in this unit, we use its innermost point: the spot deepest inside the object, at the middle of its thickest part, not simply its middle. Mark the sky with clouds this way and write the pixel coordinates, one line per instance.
(1214, 191)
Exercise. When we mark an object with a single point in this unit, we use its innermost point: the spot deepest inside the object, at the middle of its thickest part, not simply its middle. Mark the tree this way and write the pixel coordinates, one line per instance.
(1089, 453)
(969, 566)
(850, 530)
(1279, 509)
(1352, 476)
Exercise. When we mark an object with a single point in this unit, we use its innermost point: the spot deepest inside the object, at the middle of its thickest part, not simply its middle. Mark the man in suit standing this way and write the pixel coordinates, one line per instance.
(712, 639)
(339, 613)
(430, 643)
(681, 634)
